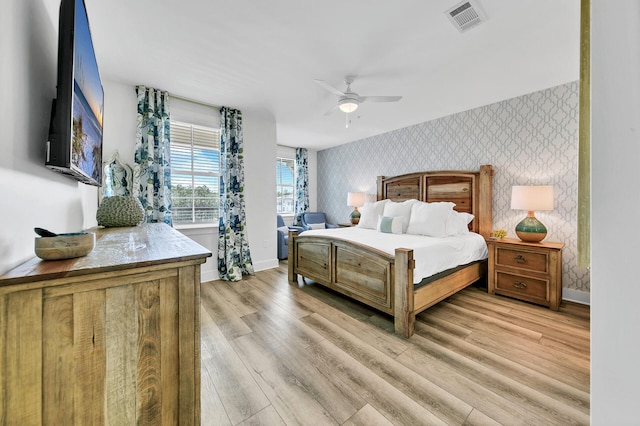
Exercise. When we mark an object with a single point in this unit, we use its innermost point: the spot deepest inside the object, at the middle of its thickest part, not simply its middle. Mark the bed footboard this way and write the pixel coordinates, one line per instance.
(380, 280)
(377, 279)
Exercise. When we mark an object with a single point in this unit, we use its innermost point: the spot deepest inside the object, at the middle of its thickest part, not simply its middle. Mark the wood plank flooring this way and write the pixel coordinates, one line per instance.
(276, 354)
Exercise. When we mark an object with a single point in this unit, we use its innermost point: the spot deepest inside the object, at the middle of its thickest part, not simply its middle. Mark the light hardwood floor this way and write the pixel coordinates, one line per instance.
(276, 354)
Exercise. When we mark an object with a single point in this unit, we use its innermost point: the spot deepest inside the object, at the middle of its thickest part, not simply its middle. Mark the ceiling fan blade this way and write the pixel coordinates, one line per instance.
(331, 110)
(380, 98)
(329, 87)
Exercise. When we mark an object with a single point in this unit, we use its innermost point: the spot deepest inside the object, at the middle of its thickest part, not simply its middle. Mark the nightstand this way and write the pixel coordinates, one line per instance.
(345, 225)
(526, 271)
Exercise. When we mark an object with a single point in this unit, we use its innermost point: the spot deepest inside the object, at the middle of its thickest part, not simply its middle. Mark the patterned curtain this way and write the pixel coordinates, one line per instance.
(302, 184)
(234, 258)
(152, 177)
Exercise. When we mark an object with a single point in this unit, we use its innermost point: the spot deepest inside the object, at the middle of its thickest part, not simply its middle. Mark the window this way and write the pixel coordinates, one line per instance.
(285, 184)
(195, 171)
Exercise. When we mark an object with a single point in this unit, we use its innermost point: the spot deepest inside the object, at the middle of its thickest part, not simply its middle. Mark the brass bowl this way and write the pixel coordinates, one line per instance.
(65, 246)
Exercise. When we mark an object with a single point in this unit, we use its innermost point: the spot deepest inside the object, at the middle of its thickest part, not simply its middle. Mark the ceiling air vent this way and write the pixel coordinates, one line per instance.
(466, 15)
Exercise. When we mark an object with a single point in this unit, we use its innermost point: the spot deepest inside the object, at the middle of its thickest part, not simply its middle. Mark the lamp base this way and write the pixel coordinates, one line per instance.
(354, 217)
(531, 230)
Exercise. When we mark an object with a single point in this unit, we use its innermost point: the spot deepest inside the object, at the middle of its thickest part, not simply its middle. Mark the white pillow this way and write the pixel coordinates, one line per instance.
(369, 214)
(316, 225)
(389, 225)
(284, 229)
(458, 223)
(430, 219)
(402, 209)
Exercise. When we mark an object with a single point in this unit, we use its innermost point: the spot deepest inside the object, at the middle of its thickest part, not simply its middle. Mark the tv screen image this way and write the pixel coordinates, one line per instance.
(75, 135)
(86, 146)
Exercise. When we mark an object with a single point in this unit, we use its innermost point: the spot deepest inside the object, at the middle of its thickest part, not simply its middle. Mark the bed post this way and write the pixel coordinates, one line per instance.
(293, 277)
(403, 310)
(485, 201)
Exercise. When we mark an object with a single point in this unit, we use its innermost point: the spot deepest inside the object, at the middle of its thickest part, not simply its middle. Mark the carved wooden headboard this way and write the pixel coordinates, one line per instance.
(471, 191)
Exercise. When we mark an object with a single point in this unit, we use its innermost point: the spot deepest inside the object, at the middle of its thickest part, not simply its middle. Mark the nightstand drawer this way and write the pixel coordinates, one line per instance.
(522, 286)
(523, 260)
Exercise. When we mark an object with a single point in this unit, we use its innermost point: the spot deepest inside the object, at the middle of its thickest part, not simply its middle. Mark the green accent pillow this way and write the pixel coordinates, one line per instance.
(390, 225)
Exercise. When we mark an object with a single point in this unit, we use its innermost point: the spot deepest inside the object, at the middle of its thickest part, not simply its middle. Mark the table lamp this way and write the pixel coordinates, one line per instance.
(355, 200)
(531, 198)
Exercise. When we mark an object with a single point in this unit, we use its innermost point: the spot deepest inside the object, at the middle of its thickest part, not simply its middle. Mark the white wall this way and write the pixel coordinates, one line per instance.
(615, 201)
(120, 107)
(30, 194)
(260, 187)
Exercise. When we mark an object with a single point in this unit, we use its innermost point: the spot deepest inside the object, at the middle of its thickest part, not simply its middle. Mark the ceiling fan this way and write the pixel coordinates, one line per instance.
(348, 100)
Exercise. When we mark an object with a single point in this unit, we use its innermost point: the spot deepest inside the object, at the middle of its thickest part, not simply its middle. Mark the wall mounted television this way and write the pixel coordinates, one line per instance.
(75, 131)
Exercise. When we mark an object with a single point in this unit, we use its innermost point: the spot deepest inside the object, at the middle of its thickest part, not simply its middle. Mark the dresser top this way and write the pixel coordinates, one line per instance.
(116, 249)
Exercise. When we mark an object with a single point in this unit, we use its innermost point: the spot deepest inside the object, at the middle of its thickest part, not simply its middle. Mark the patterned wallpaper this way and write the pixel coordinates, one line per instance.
(529, 140)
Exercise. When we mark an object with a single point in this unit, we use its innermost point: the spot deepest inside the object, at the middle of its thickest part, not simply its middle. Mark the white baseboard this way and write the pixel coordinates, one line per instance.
(266, 264)
(577, 296)
(207, 274)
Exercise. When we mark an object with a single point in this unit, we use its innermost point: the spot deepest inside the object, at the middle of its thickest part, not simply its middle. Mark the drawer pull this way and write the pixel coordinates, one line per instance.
(520, 259)
(520, 284)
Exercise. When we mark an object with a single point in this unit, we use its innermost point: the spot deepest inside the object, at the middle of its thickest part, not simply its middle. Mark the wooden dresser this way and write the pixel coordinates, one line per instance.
(526, 271)
(109, 338)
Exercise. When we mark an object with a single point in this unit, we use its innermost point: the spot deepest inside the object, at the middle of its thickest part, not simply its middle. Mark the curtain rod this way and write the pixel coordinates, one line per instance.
(193, 101)
(182, 98)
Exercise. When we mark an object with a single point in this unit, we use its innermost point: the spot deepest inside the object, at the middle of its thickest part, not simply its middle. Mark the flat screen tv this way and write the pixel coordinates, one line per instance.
(75, 132)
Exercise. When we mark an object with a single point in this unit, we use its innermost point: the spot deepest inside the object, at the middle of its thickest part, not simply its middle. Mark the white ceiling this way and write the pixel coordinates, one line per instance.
(264, 55)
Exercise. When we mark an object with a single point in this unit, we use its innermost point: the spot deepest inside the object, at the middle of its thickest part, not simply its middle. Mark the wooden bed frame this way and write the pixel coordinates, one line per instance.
(385, 281)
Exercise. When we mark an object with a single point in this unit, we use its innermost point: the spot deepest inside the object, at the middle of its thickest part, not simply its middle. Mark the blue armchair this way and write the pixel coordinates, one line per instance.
(283, 238)
(311, 220)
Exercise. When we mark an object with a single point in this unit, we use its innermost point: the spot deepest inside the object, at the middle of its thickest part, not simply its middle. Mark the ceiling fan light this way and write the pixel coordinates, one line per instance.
(348, 105)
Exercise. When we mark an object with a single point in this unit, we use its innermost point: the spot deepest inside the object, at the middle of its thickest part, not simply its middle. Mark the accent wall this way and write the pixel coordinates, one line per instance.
(529, 140)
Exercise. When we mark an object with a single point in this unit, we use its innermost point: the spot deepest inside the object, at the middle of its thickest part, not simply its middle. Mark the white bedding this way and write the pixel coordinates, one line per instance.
(431, 255)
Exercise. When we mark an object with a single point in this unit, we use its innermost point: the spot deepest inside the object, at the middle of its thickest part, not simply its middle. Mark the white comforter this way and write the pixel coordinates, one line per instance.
(431, 255)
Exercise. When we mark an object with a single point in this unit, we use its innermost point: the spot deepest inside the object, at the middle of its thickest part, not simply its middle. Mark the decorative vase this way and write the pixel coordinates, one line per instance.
(120, 210)
(354, 217)
(531, 230)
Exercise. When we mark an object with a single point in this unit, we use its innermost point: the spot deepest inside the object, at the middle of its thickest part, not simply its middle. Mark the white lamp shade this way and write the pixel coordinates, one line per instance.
(532, 198)
(355, 199)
